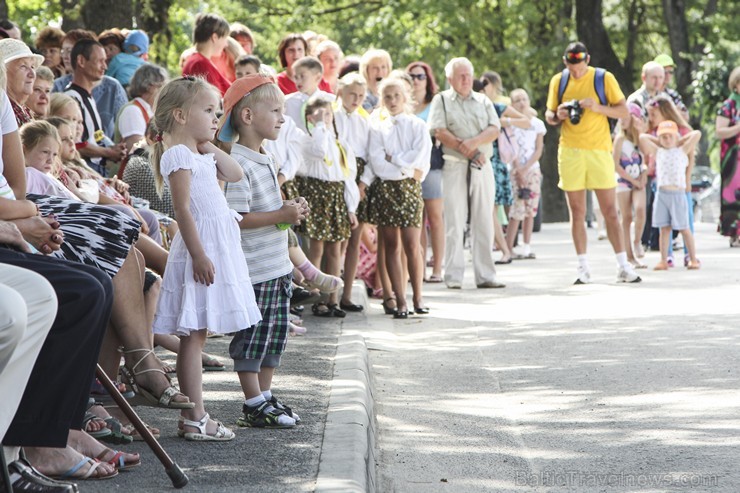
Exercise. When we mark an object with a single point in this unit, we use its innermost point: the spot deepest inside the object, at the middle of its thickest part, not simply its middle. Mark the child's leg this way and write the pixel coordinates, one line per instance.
(351, 259)
(511, 231)
(391, 242)
(415, 262)
(639, 202)
(381, 270)
(624, 201)
(690, 204)
(498, 235)
(666, 235)
(250, 384)
(333, 263)
(688, 241)
(316, 252)
(190, 376)
(265, 378)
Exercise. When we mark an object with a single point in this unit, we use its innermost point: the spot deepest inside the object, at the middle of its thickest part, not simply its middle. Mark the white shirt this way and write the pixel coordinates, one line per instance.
(131, 120)
(406, 139)
(526, 140)
(354, 130)
(322, 160)
(8, 124)
(287, 149)
(671, 167)
(295, 104)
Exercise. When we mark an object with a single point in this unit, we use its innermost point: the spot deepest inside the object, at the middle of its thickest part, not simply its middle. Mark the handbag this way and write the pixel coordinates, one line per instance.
(507, 149)
(437, 160)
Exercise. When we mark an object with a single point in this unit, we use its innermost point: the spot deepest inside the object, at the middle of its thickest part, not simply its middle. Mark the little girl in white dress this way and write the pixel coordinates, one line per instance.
(206, 284)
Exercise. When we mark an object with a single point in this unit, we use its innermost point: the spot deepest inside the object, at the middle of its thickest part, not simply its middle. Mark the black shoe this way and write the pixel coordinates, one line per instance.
(387, 309)
(303, 296)
(282, 407)
(401, 314)
(419, 310)
(24, 478)
(350, 307)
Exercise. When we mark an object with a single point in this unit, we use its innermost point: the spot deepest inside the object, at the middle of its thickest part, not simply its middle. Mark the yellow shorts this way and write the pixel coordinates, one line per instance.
(585, 169)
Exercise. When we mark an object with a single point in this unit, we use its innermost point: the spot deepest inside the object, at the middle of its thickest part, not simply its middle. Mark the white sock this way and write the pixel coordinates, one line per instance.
(267, 394)
(622, 260)
(525, 249)
(583, 261)
(255, 401)
(12, 454)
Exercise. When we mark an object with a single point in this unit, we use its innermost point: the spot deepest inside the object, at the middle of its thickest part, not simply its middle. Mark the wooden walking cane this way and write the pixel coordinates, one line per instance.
(177, 476)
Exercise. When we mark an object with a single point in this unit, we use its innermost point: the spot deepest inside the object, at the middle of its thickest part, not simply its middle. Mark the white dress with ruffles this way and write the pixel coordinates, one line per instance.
(227, 305)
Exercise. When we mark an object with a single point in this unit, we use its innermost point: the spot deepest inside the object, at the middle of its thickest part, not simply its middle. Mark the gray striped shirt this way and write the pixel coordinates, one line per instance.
(265, 248)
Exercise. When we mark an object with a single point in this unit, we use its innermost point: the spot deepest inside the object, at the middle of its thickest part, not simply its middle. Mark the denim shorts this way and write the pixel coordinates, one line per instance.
(431, 187)
(671, 208)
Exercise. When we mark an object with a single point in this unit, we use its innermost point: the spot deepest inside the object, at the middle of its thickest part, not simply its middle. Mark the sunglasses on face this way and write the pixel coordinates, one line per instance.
(418, 76)
(576, 57)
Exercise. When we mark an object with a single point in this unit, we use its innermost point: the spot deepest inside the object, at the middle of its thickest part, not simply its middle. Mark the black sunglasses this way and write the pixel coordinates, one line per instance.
(418, 76)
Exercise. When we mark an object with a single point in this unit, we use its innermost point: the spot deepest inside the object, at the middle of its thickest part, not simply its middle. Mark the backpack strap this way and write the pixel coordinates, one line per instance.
(565, 76)
(600, 86)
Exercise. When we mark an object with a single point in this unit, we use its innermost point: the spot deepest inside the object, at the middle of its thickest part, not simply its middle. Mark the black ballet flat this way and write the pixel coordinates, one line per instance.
(387, 309)
(421, 310)
(350, 307)
(401, 314)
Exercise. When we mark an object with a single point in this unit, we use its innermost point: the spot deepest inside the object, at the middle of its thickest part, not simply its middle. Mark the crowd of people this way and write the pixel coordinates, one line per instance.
(223, 200)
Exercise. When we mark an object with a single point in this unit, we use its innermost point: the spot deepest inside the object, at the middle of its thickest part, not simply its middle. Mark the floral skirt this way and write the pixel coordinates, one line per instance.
(504, 196)
(396, 203)
(290, 190)
(328, 219)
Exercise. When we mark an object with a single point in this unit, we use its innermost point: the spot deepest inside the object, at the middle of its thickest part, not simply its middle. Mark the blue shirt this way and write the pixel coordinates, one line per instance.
(123, 66)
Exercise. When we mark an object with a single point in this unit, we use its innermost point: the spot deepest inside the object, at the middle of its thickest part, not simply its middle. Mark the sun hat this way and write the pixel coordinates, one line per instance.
(667, 127)
(136, 39)
(635, 110)
(240, 88)
(13, 49)
(664, 60)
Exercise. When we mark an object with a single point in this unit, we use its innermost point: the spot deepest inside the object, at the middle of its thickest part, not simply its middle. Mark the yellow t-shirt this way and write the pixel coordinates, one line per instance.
(592, 132)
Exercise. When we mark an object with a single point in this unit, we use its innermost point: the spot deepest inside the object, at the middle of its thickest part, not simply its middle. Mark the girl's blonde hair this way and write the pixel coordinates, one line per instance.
(35, 131)
(178, 94)
(402, 84)
(57, 102)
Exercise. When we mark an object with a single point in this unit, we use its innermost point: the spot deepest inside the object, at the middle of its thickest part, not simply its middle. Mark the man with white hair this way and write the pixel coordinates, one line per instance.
(466, 124)
(653, 79)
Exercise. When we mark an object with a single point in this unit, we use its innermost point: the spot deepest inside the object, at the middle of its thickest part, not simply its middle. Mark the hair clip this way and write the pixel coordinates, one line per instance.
(189, 78)
(158, 137)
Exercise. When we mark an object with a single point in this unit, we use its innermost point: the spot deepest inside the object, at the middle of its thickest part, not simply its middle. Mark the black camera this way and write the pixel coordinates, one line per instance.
(575, 111)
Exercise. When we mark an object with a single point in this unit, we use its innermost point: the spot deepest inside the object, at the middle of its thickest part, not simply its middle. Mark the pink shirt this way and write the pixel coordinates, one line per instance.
(43, 184)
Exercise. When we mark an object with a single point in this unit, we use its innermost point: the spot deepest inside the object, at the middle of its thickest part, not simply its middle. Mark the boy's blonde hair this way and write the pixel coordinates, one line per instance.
(176, 94)
(309, 63)
(35, 131)
(266, 93)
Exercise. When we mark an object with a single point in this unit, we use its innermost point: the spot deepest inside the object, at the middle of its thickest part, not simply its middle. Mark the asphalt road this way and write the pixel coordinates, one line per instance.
(546, 387)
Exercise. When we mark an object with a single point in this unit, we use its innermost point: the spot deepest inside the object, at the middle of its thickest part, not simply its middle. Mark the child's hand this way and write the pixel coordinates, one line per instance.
(206, 147)
(292, 212)
(203, 270)
(320, 115)
(304, 205)
(353, 222)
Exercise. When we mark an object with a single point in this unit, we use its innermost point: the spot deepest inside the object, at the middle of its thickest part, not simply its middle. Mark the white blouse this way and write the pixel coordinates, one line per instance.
(354, 130)
(322, 160)
(287, 149)
(406, 139)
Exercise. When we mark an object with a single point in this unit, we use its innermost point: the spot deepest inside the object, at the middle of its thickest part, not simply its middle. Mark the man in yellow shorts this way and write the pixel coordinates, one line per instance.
(585, 154)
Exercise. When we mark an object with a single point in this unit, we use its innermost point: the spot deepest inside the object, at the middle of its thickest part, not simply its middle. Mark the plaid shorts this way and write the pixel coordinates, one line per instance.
(264, 343)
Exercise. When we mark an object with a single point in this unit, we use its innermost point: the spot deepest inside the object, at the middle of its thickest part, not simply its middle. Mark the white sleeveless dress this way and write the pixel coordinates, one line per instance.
(227, 305)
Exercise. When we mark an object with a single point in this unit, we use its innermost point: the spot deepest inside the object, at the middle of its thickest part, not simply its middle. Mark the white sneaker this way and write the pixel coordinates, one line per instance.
(584, 275)
(627, 274)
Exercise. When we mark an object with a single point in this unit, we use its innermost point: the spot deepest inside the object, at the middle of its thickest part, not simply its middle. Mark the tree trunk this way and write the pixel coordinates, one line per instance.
(3, 9)
(674, 13)
(99, 15)
(71, 15)
(153, 17)
(591, 31)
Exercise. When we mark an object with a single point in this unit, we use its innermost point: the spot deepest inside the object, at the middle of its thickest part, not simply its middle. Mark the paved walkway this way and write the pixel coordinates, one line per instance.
(546, 386)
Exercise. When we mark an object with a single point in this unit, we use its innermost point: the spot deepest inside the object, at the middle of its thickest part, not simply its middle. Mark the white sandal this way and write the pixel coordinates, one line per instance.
(223, 434)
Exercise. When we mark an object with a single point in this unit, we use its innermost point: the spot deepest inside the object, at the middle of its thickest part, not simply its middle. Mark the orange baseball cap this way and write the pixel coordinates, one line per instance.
(240, 88)
(667, 127)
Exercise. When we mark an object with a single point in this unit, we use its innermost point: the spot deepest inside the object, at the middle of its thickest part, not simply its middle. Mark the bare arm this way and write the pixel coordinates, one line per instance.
(203, 270)
(227, 167)
(648, 144)
(723, 130)
(688, 142)
(14, 169)
(512, 117)
(115, 153)
(16, 209)
(290, 213)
